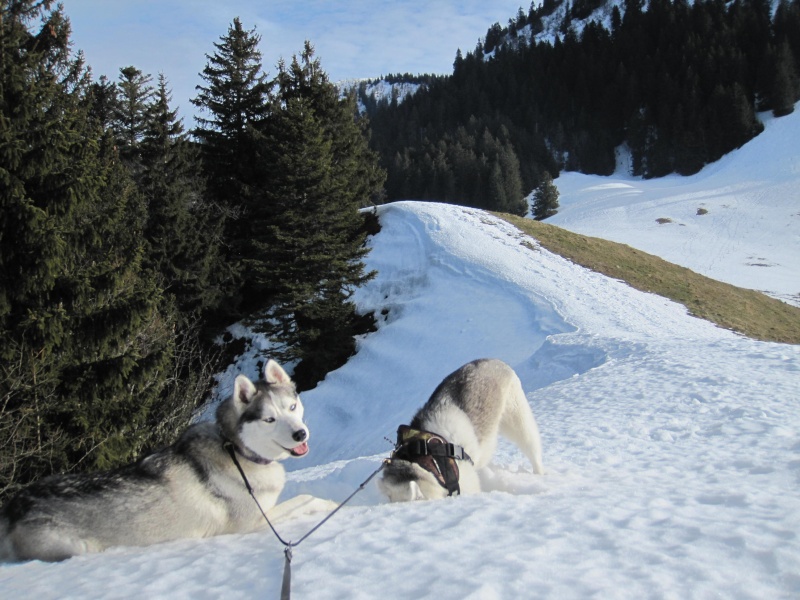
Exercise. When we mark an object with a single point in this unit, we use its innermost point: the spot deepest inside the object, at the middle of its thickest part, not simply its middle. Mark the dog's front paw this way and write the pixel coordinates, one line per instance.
(300, 506)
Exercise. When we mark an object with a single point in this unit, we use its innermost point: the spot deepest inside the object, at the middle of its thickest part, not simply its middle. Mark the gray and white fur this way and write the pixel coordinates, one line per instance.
(191, 489)
(470, 408)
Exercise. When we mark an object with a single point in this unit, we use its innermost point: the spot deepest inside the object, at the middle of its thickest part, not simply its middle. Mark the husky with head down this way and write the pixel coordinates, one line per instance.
(455, 434)
(192, 489)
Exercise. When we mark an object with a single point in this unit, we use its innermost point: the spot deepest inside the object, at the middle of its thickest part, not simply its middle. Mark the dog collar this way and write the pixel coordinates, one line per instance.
(245, 453)
(433, 453)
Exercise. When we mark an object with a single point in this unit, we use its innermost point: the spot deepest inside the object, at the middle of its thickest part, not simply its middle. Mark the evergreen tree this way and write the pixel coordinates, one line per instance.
(308, 236)
(732, 120)
(358, 177)
(104, 103)
(82, 337)
(237, 99)
(183, 229)
(130, 114)
(182, 236)
(121, 340)
(787, 28)
(784, 81)
(545, 199)
(31, 247)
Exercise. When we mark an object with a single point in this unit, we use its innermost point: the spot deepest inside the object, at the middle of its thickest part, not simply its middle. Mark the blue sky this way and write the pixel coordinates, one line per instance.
(352, 38)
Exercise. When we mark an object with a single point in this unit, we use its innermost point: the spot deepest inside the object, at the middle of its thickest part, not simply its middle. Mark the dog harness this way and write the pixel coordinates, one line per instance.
(433, 453)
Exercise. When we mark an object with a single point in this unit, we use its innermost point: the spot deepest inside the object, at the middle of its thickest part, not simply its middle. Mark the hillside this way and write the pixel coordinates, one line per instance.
(736, 221)
(677, 84)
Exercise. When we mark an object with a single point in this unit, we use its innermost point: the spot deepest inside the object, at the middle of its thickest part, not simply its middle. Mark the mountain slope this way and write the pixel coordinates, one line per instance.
(744, 311)
(736, 221)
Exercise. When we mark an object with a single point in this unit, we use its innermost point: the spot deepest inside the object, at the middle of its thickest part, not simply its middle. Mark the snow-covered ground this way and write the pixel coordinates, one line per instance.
(672, 447)
(748, 229)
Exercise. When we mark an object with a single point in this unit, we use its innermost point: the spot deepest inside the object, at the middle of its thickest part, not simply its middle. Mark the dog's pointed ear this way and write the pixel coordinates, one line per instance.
(243, 389)
(274, 373)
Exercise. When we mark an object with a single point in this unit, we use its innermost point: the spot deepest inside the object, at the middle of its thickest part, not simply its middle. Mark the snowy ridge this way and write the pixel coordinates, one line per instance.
(671, 446)
(552, 25)
(379, 90)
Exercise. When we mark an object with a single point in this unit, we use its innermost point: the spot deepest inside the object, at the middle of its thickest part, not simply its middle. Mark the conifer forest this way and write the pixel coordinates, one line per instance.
(677, 82)
(129, 241)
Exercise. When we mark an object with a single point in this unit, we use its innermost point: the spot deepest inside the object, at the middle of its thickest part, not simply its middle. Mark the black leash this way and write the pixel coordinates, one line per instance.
(287, 551)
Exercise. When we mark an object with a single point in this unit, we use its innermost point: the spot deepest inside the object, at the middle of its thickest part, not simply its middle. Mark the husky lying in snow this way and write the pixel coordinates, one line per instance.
(191, 489)
(455, 434)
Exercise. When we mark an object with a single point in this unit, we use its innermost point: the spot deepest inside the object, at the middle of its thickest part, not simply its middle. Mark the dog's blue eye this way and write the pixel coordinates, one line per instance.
(269, 420)
(293, 406)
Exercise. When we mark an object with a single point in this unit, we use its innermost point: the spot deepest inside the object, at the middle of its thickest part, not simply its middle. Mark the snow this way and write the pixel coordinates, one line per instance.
(749, 235)
(552, 25)
(671, 446)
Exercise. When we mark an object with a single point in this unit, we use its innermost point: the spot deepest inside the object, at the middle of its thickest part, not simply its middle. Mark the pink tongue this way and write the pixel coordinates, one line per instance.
(300, 450)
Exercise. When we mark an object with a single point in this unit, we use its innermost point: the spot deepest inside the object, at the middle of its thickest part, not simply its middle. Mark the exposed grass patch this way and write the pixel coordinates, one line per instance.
(745, 311)
(663, 220)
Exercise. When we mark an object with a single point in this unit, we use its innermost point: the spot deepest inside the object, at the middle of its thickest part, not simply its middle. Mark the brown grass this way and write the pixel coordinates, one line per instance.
(745, 311)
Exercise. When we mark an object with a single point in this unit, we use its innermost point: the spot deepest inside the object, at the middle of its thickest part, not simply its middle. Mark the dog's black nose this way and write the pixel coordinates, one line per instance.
(299, 435)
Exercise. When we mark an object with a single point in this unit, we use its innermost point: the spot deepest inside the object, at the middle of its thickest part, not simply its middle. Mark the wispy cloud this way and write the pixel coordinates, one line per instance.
(353, 38)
